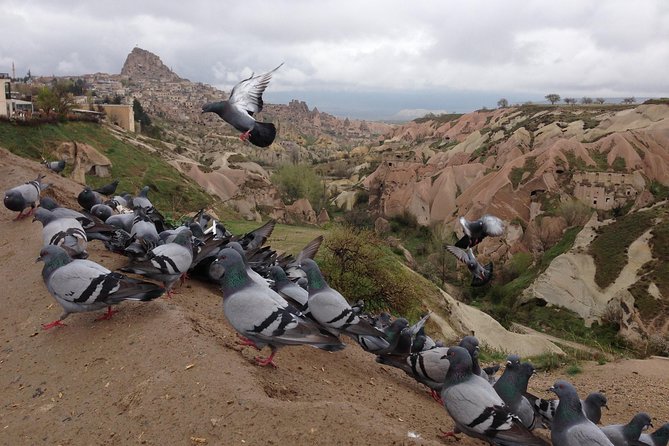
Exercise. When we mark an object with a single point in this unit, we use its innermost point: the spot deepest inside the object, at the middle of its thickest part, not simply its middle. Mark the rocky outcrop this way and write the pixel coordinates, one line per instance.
(142, 64)
(85, 160)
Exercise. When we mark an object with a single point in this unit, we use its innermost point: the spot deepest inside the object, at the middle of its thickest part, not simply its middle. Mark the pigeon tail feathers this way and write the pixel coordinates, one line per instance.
(262, 134)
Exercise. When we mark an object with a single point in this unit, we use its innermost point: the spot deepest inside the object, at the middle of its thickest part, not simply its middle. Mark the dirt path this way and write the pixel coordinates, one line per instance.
(170, 372)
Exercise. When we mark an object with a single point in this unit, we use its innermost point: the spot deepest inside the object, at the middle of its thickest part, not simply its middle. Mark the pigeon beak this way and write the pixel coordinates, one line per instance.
(39, 259)
(551, 389)
(607, 406)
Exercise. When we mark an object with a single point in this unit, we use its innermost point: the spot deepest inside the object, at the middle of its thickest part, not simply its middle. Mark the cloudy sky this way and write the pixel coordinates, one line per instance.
(370, 59)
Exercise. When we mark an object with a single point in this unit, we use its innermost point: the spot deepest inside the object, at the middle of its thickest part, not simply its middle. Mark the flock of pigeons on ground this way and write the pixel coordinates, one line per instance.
(278, 300)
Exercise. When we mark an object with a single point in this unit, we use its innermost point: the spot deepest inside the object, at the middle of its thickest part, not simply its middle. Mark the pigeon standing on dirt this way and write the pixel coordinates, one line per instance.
(263, 317)
(658, 438)
(592, 408)
(26, 195)
(107, 189)
(330, 308)
(289, 290)
(477, 230)
(88, 198)
(245, 100)
(65, 232)
(54, 166)
(627, 434)
(168, 262)
(512, 386)
(477, 409)
(96, 228)
(83, 285)
(570, 426)
(481, 275)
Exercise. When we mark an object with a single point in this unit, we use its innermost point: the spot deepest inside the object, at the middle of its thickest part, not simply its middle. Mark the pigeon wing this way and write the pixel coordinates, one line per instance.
(492, 225)
(247, 94)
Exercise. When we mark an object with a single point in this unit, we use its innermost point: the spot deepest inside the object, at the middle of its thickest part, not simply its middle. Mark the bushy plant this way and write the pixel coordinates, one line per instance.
(296, 181)
(575, 212)
(361, 266)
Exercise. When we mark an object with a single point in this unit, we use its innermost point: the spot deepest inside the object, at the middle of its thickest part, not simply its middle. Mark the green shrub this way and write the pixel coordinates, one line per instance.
(575, 212)
(296, 181)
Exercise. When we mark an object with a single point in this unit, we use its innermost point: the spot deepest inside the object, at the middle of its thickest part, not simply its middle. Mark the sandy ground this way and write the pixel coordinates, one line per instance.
(170, 371)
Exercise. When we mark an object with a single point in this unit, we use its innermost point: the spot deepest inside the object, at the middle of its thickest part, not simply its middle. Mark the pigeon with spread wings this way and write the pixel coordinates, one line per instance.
(245, 100)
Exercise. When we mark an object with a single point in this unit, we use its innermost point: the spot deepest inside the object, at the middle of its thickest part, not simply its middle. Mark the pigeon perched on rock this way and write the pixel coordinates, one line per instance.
(330, 308)
(570, 426)
(167, 262)
(481, 275)
(477, 230)
(83, 285)
(54, 166)
(477, 409)
(26, 195)
(627, 434)
(238, 110)
(658, 438)
(108, 189)
(65, 232)
(263, 317)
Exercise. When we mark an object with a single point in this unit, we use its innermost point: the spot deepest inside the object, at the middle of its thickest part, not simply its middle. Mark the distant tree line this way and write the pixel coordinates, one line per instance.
(554, 98)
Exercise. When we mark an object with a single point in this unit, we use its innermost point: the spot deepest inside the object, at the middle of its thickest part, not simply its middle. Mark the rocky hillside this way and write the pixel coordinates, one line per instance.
(543, 170)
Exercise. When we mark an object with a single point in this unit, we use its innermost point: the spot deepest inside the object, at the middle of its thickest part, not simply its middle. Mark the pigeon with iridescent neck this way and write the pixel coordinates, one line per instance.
(658, 438)
(627, 434)
(263, 317)
(83, 285)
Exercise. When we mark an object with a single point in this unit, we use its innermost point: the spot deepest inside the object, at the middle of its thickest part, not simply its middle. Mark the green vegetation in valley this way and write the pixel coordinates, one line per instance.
(296, 181)
(609, 248)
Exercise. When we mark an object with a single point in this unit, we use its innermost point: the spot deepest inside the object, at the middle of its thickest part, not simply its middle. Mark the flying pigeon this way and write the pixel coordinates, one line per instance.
(245, 100)
(481, 275)
(65, 232)
(477, 230)
(262, 316)
(167, 262)
(54, 166)
(658, 438)
(512, 386)
(107, 189)
(592, 408)
(26, 195)
(627, 434)
(570, 426)
(477, 409)
(330, 308)
(83, 285)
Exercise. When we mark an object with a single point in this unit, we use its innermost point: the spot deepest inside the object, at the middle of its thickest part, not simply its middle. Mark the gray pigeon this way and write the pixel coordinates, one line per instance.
(65, 232)
(388, 343)
(263, 317)
(481, 275)
(477, 230)
(570, 426)
(428, 367)
(471, 344)
(245, 100)
(121, 221)
(26, 195)
(102, 211)
(658, 438)
(95, 228)
(107, 189)
(142, 199)
(512, 386)
(627, 434)
(54, 166)
(592, 408)
(330, 308)
(168, 262)
(477, 409)
(144, 233)
(82, 285)
(88, 198)
(289, 290)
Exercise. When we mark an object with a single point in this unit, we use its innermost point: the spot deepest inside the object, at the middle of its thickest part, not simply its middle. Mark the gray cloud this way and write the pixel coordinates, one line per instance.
(512, 48)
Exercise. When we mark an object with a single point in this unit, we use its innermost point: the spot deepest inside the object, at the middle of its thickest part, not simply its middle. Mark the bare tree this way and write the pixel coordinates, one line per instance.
(571, 101)
(552, 98)
(586, 100)
(600, 100)
(630, 100)
(502, 103)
